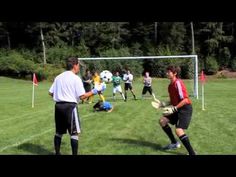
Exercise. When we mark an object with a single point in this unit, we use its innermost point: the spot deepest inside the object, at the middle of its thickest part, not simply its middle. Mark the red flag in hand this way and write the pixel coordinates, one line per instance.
(35, 81)
(202, 77)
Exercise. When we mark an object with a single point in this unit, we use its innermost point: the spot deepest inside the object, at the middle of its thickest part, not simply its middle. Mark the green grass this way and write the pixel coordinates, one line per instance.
(132, 128)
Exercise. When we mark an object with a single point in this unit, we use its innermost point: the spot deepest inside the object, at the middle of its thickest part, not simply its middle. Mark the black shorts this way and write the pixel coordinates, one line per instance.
(145, 89)
(182, 118)
(128, 86)
(99, 106)
(67, 118)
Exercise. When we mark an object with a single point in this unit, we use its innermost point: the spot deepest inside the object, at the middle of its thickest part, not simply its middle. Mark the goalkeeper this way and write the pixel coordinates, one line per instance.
(178, 112)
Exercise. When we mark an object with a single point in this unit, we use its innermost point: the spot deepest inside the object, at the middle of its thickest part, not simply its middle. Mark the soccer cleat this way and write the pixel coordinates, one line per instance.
(195, 153)
(172, 146)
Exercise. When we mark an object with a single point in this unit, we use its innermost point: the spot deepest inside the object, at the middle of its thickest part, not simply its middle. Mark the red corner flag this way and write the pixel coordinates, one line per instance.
(35, 81)
(202, 77)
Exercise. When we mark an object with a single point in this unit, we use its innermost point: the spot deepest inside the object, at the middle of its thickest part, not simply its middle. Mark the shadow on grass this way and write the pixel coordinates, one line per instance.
(146, 144)
(35, 149)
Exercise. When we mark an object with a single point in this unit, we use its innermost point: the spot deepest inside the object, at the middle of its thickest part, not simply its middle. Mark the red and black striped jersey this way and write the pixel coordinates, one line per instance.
(178, 92)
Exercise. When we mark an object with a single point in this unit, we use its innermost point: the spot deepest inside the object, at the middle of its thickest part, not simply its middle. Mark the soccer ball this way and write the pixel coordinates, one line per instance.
(106, 76)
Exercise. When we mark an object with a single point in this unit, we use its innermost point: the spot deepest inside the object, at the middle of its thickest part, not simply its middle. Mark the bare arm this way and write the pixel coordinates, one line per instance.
(86, 95)
(182, 103)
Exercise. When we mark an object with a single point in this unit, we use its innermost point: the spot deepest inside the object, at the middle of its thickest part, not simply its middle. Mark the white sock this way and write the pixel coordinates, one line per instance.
(123, 96)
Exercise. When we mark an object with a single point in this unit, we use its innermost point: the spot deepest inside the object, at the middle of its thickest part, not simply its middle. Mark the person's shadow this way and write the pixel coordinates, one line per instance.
(35, 149)
(144, 143)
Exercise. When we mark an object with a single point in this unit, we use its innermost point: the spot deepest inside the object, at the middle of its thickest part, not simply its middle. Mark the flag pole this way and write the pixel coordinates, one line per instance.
(203, 108)
(203, 80)
(33, 96)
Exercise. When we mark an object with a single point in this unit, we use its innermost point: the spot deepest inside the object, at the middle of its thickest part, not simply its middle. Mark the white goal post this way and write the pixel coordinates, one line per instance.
(193, 57)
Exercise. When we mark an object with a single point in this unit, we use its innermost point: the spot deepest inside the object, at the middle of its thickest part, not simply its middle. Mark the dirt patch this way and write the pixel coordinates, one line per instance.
(222, 74)
(226, 74)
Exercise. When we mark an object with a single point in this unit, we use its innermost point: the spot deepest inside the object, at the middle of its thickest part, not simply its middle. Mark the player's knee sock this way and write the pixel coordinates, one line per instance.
(169, 133)
(113, 96)
(123, 96)
(102, 97)
(57, 143)
(153, 95)
(74, 141)
(134, 96)
(186, 143)
(91, 98)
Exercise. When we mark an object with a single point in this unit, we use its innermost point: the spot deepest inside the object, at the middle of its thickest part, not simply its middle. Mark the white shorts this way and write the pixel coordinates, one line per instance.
(117, 89)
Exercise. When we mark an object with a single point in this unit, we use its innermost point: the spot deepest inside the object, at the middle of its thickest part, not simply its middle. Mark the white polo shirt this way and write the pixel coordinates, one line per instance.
(67, 87)
(128, 78)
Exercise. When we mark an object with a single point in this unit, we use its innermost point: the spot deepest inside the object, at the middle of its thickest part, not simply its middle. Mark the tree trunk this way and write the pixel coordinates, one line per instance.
(44, 49)
(155, 32)
(192, 31)
(8, 41)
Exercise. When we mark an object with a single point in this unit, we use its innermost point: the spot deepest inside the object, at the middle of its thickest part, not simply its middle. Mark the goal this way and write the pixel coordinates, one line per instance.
(140, 62)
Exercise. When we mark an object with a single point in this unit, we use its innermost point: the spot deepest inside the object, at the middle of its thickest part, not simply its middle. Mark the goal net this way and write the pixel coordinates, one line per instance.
(155, 65)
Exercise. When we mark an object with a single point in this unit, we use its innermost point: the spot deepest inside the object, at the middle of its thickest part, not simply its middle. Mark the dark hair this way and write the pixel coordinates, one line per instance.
(70, 62)
(174, 69)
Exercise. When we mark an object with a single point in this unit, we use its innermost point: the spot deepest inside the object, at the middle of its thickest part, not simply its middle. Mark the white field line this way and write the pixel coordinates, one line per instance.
(24, 115)
(32, 137)
(37, 135)
(30, 114)
(25, 140)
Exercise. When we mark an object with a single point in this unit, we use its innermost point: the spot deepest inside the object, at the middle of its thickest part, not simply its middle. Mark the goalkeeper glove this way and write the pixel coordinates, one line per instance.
(169, 110)
(161, 104)
(94, 91)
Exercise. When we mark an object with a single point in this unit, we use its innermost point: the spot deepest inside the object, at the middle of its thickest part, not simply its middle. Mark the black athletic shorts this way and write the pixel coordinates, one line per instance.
(128, 86)
(145, 89)
(182, 118)
(67, 118)
(98, 106)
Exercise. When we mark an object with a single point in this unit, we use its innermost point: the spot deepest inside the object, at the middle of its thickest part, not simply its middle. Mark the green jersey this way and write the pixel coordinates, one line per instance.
(116, 80)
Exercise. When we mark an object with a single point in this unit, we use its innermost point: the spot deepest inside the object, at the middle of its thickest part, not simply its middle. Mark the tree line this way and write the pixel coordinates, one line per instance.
(41, 47)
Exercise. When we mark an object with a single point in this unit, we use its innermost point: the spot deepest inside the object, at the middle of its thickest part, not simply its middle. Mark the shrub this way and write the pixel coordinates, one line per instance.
(211, 65)
(48, 71)
(187, 69)
(233, 64)
(15, 64)
(57, 54)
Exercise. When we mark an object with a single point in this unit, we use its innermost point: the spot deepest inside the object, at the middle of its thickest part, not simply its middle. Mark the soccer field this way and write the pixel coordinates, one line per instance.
(132, 128)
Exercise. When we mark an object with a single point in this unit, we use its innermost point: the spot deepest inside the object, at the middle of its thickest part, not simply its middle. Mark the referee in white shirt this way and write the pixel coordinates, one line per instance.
(66, 90)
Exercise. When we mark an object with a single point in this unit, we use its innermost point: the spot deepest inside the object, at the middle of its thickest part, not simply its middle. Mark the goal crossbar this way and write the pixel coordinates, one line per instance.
(194, 57)
(141, 57)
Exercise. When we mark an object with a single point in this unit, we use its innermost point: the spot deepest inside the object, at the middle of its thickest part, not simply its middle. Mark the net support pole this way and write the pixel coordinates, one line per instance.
(196, 76)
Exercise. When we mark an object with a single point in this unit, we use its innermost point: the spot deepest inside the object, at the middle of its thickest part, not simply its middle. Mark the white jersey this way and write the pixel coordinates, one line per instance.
(147, 81)
(128, 78)
(67, 87)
